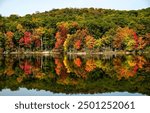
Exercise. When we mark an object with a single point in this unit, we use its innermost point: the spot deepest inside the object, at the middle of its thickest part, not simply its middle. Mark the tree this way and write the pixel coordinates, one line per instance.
(37, 37)
(90, 42)
(125, 39)
(61, 35)
(2, 42)
(61, 30)
(20, 28)
(26, 40)
(98, 43)
(9, 41)
(75, 41)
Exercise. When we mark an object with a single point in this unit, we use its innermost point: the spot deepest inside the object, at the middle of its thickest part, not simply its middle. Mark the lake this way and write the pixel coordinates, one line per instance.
(74, 75)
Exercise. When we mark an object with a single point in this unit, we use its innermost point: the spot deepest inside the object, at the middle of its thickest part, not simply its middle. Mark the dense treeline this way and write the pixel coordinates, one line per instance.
(85, 29)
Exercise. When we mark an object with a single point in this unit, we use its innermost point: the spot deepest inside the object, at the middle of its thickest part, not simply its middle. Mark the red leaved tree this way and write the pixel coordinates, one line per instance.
(61, 35)
(26, 40)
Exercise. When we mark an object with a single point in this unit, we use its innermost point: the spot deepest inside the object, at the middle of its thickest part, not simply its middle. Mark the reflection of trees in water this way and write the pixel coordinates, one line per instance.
(122, 67)
(61, 71)
(9, 71)
(26, 67)
(117, 67)
(129, 67)
(75, 73)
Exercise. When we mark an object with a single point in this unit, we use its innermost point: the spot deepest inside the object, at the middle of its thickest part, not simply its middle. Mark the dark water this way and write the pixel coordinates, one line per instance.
(127, 75)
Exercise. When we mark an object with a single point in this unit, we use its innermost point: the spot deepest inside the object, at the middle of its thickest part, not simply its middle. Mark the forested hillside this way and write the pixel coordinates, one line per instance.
(76, 30)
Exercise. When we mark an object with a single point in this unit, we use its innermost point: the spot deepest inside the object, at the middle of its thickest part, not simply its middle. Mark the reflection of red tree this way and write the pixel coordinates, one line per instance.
(26, 66)
(60, 69)
(58, 66)
(78, 62)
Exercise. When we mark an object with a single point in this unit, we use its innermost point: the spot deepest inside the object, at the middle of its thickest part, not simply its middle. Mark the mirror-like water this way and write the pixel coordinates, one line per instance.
(127, 75)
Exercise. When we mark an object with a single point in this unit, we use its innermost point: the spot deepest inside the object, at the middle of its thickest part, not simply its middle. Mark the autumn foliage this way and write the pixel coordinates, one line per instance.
(130, 69)
(61, 35)
(90, 41)
(90, 65)
(76, 30)
(78, 62)
(77, 44)
(26, 67)
(26, 40)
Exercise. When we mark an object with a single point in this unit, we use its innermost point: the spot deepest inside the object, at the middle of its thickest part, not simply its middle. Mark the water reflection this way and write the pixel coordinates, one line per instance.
(75, 75)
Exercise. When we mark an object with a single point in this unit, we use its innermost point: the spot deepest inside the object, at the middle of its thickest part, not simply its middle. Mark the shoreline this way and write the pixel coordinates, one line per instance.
(73, 53)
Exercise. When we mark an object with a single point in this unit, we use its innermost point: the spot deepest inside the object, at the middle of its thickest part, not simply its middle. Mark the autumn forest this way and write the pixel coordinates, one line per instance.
(76, 30)
(90, 51)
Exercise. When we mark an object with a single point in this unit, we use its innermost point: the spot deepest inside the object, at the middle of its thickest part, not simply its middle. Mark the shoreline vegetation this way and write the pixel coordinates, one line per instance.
(76, 53)
(76, 31)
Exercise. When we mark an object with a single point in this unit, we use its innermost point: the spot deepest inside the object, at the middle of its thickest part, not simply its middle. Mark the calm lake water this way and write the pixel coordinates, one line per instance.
(57, 75)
